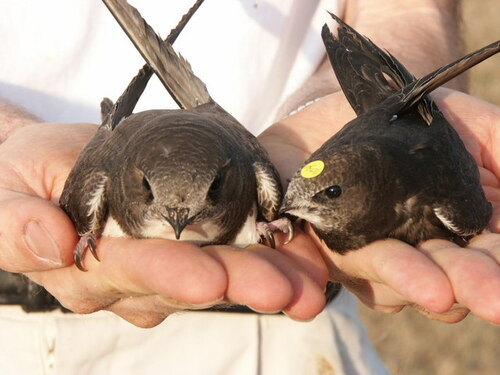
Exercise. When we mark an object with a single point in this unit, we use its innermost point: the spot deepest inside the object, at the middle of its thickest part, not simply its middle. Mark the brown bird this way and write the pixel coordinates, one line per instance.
(193, 174)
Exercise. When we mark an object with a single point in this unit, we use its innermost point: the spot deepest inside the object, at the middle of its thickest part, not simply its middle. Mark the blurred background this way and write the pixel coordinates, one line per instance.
(408, 343)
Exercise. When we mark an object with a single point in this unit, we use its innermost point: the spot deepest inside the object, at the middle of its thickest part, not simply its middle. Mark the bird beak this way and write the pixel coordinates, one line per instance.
(287, 209)
(178, 218)
(285, 206)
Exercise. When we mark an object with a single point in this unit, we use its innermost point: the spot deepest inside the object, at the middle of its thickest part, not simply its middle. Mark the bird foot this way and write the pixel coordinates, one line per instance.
(87, 241)
(266, 230)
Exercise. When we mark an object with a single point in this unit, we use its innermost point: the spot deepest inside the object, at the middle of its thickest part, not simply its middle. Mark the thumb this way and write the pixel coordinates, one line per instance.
(35, 234)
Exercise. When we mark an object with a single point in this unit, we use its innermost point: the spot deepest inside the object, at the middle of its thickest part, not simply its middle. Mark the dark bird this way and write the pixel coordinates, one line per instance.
(398, 170)
(194, 174)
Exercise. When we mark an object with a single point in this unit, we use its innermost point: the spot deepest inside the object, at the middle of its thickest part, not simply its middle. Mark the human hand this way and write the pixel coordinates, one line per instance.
(388, 275)
(142, 280)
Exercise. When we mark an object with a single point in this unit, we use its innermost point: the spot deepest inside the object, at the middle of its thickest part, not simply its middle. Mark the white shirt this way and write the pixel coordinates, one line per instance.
(60, 58)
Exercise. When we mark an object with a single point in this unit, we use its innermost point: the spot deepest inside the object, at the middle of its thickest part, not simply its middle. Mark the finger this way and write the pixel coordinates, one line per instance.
(386, 309)
(454, 315)
(472, 117)
(308, 298)
(473, 273)
(34, 234)
(493, 195)
(305, 254)
(377, 296)
(488, 243)
(267, 281)
(397, 274)
(175, 269)
(142, 311)
(253, 278)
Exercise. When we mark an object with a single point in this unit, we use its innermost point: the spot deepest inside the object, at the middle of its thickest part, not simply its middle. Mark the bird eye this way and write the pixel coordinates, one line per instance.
(333, 191)
(215, 187)
(147, 189)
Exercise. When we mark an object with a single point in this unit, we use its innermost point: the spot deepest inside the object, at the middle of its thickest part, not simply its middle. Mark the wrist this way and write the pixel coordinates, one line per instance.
(13, 117)
(423, 34)
(322, 82)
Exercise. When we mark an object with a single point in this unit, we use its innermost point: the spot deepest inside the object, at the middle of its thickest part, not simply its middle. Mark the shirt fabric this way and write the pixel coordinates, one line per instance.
(187, 343)
(60, 58)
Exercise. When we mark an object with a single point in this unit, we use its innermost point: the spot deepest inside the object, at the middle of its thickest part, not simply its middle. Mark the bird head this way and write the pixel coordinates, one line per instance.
(345, 194)
(180, 178)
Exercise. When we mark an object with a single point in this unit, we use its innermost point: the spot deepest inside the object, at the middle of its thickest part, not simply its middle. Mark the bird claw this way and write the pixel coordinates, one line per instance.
(266, 234)
(462, 241)
(266, 230)
(87, 241)
(284, 225)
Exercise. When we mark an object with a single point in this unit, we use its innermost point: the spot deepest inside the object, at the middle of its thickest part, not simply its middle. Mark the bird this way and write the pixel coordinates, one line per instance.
(192, 174)
(399, 169)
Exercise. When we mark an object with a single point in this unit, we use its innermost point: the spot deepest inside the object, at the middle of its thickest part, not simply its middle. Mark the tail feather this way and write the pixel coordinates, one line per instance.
(173, 71)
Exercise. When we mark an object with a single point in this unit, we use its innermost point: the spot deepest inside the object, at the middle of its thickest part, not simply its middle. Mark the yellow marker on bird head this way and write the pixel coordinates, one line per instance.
(312, 169)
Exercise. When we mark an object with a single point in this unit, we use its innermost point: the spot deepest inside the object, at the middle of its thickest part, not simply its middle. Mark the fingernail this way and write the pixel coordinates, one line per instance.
(41, 243)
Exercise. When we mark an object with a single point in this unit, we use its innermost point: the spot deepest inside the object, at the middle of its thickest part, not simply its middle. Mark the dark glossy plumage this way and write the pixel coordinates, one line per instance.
(399, 169)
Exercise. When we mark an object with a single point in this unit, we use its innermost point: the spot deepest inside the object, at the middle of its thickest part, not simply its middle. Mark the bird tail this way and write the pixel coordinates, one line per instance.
(112, 114)
(173, 70)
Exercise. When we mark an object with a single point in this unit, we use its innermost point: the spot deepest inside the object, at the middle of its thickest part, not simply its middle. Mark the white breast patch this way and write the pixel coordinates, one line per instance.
(200, 233)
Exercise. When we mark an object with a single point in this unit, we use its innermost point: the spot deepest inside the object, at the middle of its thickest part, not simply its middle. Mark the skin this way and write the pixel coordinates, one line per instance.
(144, 281)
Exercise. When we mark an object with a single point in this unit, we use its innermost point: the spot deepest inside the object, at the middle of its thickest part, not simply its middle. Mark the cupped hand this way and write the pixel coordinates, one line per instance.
(142, 280)
(438, 278)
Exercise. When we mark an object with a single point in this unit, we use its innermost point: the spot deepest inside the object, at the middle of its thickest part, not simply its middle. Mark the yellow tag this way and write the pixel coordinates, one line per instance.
(312, 169)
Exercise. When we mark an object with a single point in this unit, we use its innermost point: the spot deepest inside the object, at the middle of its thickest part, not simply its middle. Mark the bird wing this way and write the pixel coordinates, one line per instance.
(367, 74)
(129, 98)
(468, 223)
(88, 208)
(83, 197)
(173, 71)
(418, 89)
(269, 190)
